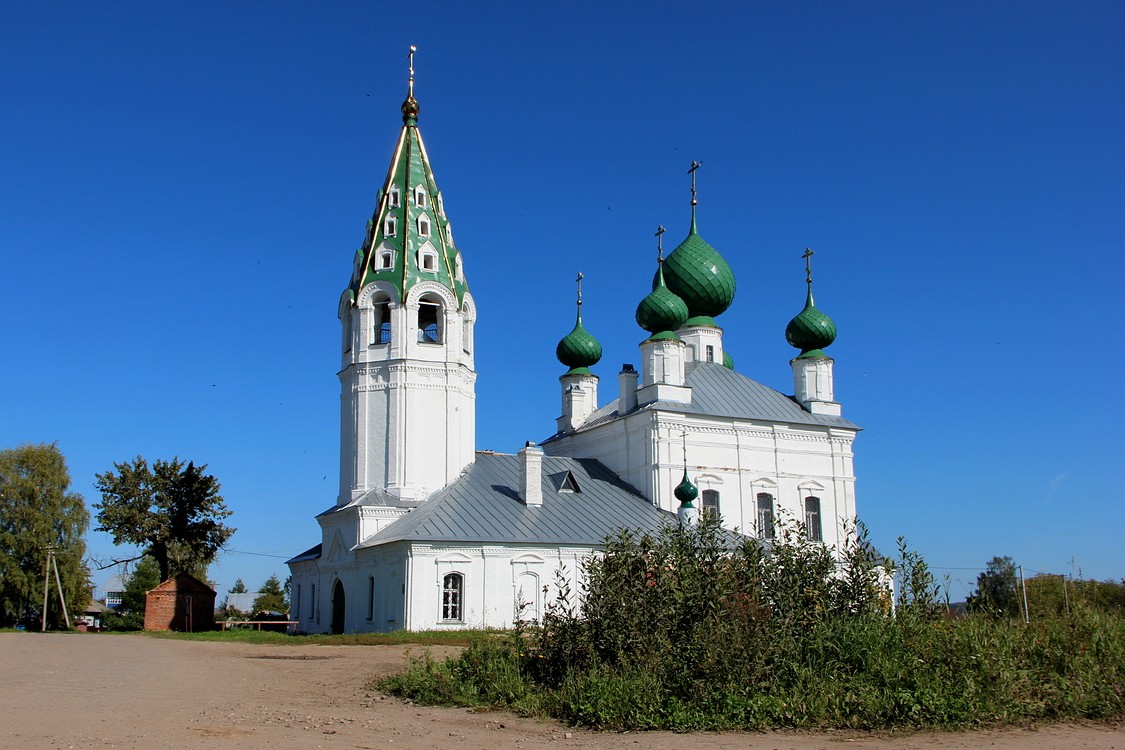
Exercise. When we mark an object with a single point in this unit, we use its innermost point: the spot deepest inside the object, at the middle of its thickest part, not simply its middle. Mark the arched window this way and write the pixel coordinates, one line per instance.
(420, 196)
(765, 515)
(312, 605)
(386, 260)
(381, 320)
(297, 602)
(452, 589)
(370, 598)
(812, 519)
(390, 226)
(429, 320)
(711, 501)
(348, 329)
(394, 197)
(423, 226)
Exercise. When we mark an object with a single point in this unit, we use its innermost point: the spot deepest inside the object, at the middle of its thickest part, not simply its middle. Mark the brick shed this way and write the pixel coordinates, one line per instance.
(183, 602)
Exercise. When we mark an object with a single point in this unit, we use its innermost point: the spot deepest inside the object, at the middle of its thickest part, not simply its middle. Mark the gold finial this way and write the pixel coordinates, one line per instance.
(660, 243)
(413, 49)
(809, 253)
(579, 282)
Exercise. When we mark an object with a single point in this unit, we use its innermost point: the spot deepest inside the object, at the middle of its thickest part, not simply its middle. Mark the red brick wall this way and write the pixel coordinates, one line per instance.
(167, 609)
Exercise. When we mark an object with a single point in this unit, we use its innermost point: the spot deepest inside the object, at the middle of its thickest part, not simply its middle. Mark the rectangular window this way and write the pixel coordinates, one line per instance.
(812, 519)
(451, 591)
(371, 598)
(711, 501)
(765, 515)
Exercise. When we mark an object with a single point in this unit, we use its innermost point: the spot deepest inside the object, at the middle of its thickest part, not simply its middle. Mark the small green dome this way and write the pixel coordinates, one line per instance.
(811, 330)
(579, 348)
(696, 273)
(685, 491)
(728, 361)
(661, 310)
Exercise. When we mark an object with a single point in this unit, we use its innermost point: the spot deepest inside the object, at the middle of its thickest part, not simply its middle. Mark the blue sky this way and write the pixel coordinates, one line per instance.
(183, 185)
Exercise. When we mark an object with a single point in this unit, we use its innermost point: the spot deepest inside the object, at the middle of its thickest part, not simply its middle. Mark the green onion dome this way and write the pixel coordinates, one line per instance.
(661, 310)
(697, 274)
(685, 491)
(579, 349)
(728, 361)
(811, 331)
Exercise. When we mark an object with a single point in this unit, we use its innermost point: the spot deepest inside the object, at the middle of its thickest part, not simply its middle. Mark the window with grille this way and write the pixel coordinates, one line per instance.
(452, 589)
(812, 519)
(765, 515)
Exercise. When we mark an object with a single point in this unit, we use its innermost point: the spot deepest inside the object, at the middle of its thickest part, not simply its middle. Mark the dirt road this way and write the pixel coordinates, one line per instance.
(130, 691)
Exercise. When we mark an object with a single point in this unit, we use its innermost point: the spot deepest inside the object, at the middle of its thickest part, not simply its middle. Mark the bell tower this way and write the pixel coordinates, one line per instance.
(408, 411)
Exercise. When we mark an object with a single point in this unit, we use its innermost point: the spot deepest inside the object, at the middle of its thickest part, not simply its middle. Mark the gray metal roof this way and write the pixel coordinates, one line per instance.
(484, 506)
(717, 391)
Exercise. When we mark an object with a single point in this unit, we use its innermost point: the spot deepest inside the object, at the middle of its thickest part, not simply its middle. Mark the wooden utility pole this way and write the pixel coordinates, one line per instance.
(52, 564)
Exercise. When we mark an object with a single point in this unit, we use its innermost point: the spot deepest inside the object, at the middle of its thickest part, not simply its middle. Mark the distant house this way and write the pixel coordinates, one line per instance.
(114, 589)
(183, 603)
(242, 602)
(91, 617)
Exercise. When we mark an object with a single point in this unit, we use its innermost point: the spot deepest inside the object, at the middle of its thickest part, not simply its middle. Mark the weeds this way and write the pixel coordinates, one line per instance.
(696, 628)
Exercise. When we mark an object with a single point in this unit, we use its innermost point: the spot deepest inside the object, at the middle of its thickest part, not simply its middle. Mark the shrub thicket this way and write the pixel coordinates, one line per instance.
(695, 628)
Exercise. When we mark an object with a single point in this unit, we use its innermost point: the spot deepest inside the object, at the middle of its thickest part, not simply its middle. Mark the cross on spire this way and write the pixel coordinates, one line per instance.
(413, 49)
(694, 166)
(809, 253)
(683, 435)
(579, 282)
(660, 244)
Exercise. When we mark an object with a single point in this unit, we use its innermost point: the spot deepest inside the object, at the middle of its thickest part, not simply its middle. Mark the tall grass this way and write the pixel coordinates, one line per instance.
(691, 629)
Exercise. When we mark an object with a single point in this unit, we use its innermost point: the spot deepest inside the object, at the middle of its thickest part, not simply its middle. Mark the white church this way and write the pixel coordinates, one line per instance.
(428, 533)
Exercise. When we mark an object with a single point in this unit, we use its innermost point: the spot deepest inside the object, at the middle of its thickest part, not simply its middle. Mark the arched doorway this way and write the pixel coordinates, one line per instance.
(338, 608)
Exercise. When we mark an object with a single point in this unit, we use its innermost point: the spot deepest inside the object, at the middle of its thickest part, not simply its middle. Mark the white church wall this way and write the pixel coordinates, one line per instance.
(494, 579)
(737, 458)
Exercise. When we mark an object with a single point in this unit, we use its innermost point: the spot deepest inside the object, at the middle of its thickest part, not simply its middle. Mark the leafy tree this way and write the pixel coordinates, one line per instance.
(131, 614)
(271, 597)
(172, 510)
(996, 592)
(37, 511)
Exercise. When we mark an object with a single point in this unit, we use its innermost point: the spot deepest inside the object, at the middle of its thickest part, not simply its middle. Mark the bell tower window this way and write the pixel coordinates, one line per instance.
(429, 321)
(423, 226)
(381, 321)
(390, 226)
(420, 196)
(394, 197)
(386, 260)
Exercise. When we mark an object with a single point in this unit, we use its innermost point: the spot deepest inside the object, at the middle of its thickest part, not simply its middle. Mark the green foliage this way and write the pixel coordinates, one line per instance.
(1056, 595)
(695, 628)
(130, 615)
(37, 511)
(271, 597)
(238, 588)
(997, 593)
(172, 510)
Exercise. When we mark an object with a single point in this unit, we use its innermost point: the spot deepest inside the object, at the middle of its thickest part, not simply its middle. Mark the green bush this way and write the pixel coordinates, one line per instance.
(698, 628)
